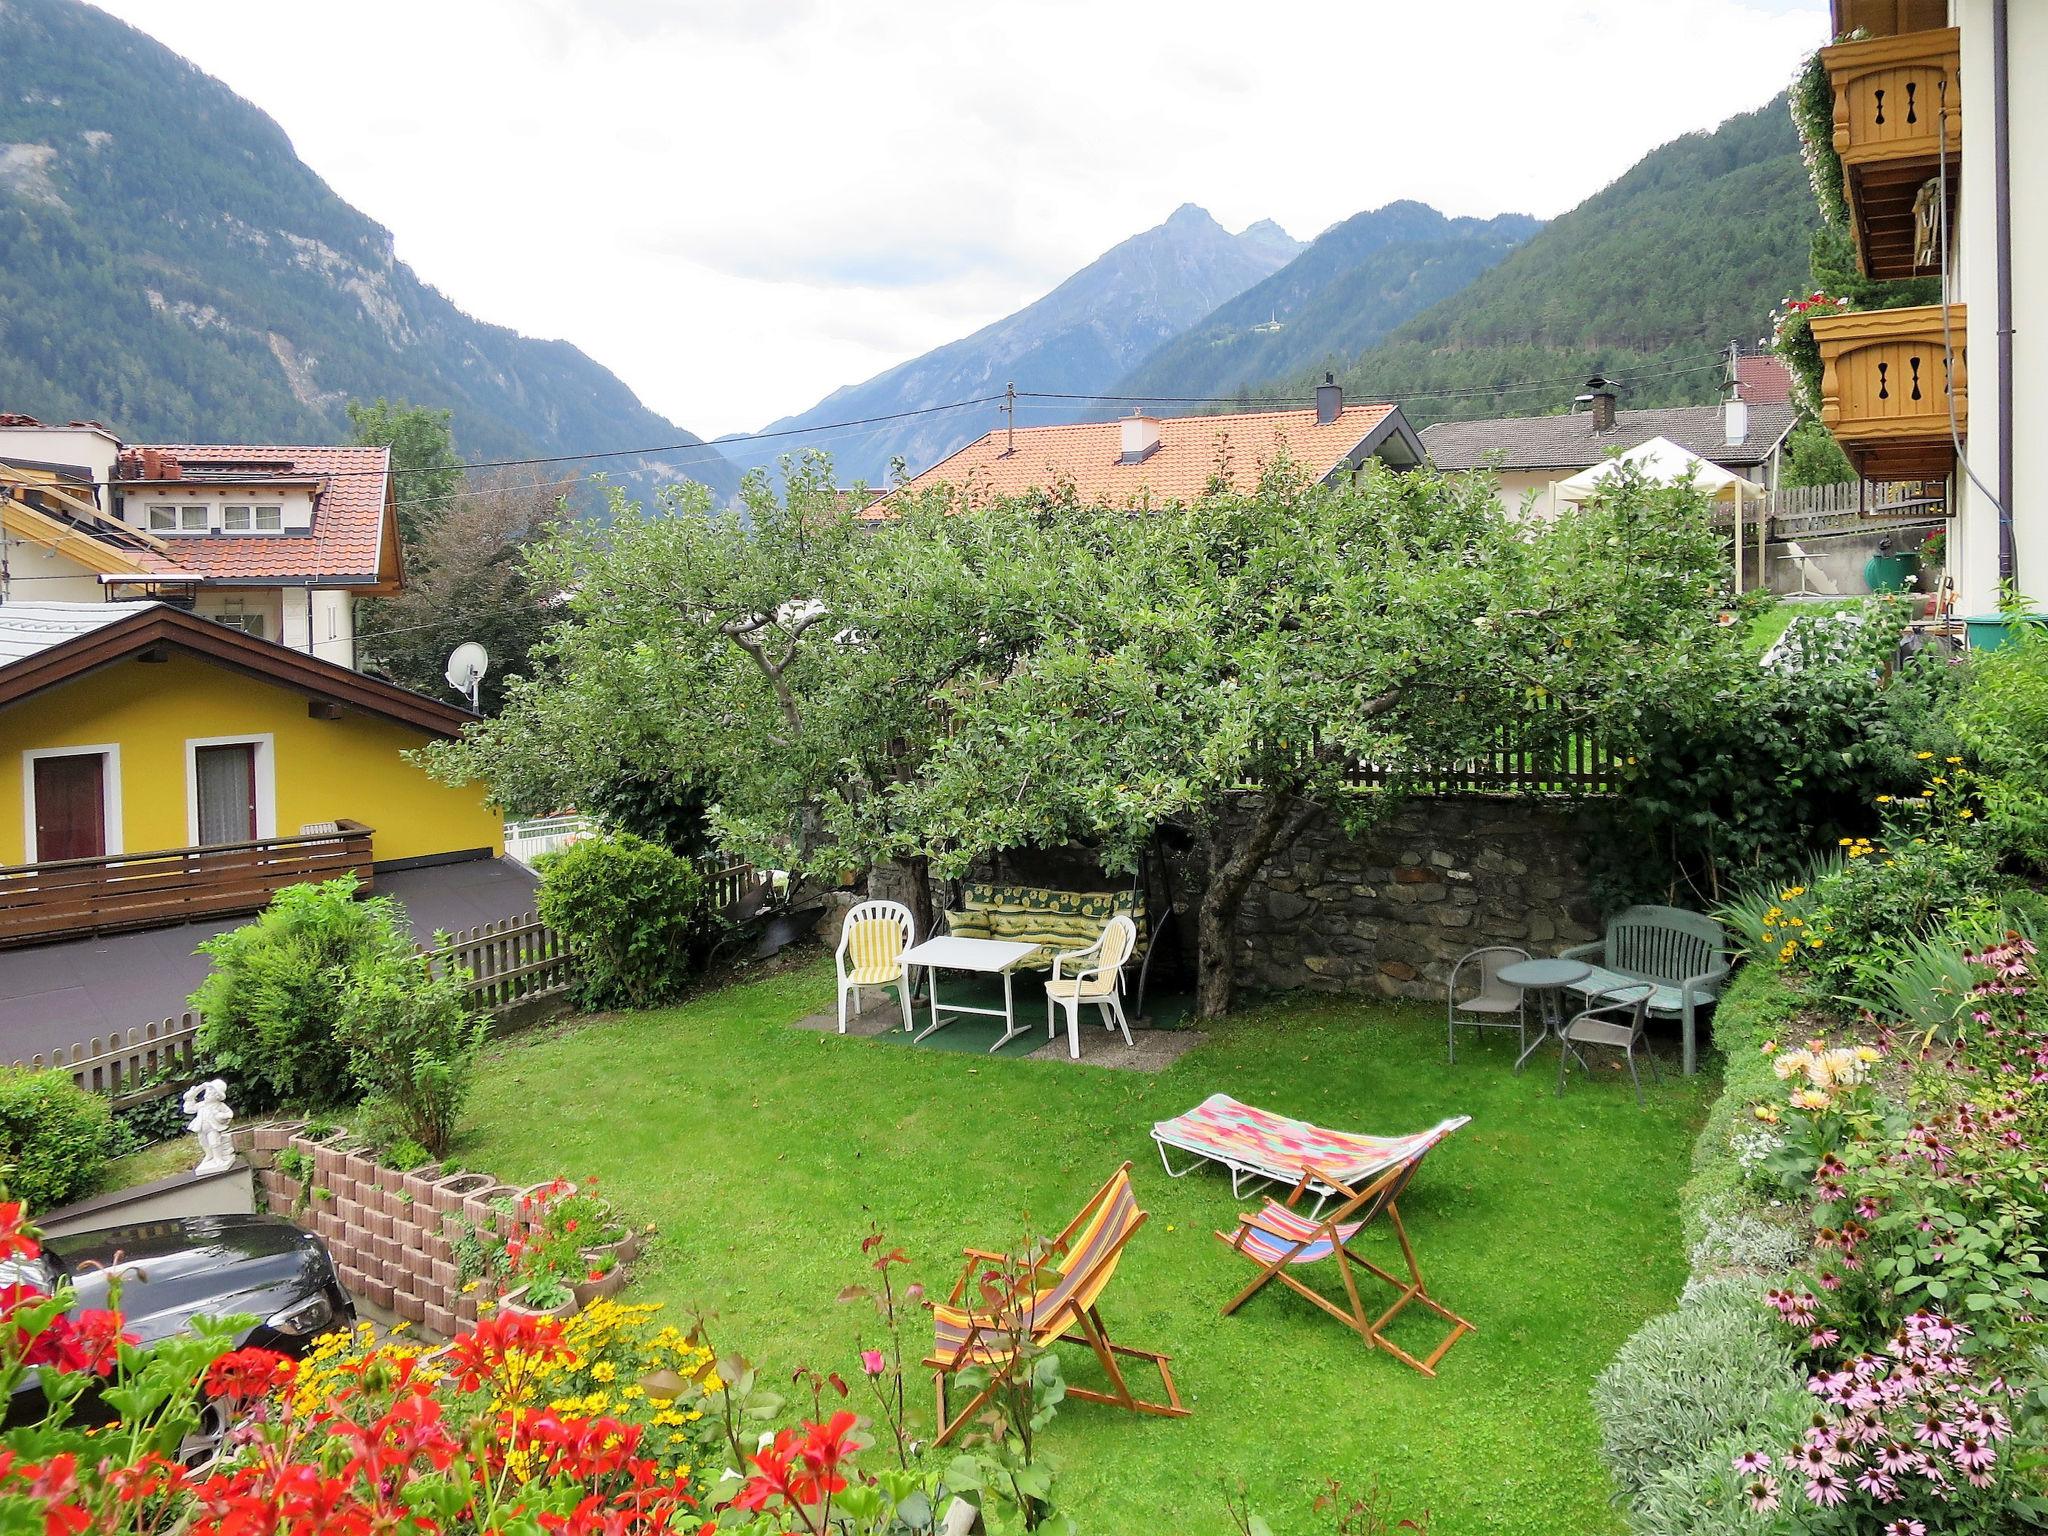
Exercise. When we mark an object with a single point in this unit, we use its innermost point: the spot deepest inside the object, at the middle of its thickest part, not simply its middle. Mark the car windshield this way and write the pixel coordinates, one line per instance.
(29, 1272)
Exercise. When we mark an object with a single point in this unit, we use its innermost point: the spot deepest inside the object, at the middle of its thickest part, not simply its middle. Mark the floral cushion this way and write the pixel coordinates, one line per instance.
(1054, 920)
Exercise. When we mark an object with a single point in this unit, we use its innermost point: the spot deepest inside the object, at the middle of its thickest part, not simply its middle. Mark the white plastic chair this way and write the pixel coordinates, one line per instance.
(873, 939)
(1096, 975)
(1496, 1003)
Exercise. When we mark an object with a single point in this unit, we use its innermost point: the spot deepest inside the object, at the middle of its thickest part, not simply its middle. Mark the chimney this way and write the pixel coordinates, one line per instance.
(1141, 438)
(1735, 420)
(1601, 392)
(1329, 400)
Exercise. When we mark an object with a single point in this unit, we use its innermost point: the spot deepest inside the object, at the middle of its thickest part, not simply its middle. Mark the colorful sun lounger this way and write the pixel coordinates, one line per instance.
(1256, 1144)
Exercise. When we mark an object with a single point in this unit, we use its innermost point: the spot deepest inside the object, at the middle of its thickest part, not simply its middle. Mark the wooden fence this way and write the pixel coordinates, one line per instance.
(1802, 511)
(516, 960)
(123, 1066)
(1578, 765)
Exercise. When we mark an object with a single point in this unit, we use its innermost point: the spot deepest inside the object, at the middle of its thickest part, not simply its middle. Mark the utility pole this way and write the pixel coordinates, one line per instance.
(1009, 409)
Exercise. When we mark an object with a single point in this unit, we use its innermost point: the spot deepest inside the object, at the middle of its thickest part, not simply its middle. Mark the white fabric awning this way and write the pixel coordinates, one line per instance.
(1665, 462)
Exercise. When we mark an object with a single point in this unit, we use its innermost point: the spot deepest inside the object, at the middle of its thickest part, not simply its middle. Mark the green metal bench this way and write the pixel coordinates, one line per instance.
(1683, 955)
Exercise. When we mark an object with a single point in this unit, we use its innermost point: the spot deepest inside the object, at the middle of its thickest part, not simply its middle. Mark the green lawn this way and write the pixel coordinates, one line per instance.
(762, 1152)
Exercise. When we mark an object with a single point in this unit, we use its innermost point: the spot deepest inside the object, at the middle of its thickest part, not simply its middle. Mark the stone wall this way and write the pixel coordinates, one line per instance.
(1392, 911)
(1389, 912)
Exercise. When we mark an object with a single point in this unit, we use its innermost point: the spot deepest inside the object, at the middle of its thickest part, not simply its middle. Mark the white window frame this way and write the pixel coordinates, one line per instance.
(110, 794)
(274, 526)
(205, 514)
(227, 518)
(170, 511)
(266, 781)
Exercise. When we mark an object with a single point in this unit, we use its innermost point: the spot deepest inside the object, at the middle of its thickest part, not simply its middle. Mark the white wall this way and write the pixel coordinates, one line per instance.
(87, 446)
(38, 574)
(1974, 282)
(334, 626)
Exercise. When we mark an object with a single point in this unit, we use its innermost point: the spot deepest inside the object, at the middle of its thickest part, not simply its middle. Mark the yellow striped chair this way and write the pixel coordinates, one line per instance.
(1046, 1299)
(871, 946)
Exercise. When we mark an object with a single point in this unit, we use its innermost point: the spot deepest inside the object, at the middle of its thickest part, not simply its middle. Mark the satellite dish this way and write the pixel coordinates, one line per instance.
(466, 669)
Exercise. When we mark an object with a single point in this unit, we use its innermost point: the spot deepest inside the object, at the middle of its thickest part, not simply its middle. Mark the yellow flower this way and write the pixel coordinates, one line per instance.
(604, 1370)
(1966, 813)
(1884, 799)
(1923, 756)
(1766, 1113)
(1810, 1098)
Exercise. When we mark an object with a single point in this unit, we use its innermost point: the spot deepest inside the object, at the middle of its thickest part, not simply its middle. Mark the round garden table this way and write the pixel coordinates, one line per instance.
(1547, 979)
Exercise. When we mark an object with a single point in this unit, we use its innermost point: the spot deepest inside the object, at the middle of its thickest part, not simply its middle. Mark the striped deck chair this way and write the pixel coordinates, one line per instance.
(1079, 1264)
(1279, 1240)
(1257, 1146)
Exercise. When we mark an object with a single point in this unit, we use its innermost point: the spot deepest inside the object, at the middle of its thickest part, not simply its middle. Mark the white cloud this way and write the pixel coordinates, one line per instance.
(739, 205)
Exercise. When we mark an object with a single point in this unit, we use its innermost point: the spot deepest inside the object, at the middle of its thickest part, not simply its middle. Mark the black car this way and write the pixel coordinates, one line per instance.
(197, 1266)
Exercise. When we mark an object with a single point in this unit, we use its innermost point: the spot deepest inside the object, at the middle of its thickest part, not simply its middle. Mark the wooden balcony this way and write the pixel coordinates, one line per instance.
(1884, 18)
(65, 898)
(1884, 390)
(1898, 102)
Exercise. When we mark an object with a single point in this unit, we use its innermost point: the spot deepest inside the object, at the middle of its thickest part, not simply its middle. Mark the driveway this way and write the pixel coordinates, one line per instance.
(57, 995)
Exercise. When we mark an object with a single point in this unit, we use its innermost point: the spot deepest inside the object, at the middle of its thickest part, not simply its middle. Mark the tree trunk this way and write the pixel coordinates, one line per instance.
(1236, 855)
(919, 870)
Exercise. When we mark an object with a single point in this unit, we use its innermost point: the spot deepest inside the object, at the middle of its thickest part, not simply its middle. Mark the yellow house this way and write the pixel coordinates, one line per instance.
(169, 766)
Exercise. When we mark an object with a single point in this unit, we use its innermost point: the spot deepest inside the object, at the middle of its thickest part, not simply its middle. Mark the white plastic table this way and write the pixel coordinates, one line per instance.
(989, 956)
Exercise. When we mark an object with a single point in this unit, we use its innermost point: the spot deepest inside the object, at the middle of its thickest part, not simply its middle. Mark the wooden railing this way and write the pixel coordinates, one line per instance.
(171, 885)
(1898, 112)
(1888, 393)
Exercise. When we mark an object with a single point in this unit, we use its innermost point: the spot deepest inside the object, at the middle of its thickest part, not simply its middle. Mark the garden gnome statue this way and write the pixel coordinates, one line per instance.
(207, 1104)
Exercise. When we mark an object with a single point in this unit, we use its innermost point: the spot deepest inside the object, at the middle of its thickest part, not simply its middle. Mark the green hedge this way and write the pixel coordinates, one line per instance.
(1688, 1380)
(55, 1138)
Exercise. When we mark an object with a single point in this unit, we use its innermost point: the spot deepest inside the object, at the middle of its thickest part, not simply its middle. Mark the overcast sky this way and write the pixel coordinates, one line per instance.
(739, 205)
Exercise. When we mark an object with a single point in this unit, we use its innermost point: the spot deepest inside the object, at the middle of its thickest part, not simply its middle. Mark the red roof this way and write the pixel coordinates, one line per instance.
(354, 535)
(1192, 450)
(1761, 378)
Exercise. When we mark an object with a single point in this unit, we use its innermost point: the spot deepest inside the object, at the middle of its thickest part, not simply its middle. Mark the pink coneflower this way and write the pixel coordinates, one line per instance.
(1812, 1458)
(1905, 1528)
(1877, 1485)
(1752, 1461)
(1826, 1487)
(1895, 1458)
(1973, 1453)
(1763, 1493)
(1933, 1429)
(1823, 1338)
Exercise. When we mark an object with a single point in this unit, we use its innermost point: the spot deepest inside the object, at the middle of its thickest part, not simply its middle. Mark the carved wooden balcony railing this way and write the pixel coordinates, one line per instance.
(1898, 105)
(1883, 18)
(1885, 389)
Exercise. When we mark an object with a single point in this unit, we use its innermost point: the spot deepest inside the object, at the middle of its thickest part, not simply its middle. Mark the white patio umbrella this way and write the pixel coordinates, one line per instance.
(1663, 461)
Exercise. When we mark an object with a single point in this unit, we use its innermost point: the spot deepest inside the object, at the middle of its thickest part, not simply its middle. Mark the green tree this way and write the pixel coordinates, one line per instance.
(425, 470)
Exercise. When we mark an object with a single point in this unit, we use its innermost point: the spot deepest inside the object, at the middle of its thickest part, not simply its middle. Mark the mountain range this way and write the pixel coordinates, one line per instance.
(169, 266)
(1077, 339)
(1355, 282)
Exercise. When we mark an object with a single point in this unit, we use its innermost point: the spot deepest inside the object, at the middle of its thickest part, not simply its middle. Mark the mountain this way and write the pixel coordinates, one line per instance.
(1646, 281)
(1354, 283)
(1078, 339)
(168, 265)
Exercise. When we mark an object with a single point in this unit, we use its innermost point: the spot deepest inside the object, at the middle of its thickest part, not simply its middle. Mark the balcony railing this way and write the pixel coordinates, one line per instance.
(65, 897)
(1898, 107)
(1882, 18)
(1886, 388)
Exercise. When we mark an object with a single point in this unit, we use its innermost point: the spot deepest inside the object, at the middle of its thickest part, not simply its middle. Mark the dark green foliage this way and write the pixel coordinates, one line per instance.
(55, 1138)
(675, 815)
(171, 267)
(2002, 717)
(274, 998)
(412, 1043)
(1745, 773)
(1356, 282)
(1813, 457)
(1647, 280)
(425, 469)
(633, 913)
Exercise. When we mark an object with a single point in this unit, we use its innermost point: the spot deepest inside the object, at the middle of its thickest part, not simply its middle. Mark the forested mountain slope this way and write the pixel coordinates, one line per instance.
(168, 265)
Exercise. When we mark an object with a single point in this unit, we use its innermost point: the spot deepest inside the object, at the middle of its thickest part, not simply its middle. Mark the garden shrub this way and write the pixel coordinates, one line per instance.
(1735, 1235)
(2002, 719)
(55, 1138)
(1703, 1495)
(1688, 1379)
(276, 988)
(412, 1042)
(634, 914)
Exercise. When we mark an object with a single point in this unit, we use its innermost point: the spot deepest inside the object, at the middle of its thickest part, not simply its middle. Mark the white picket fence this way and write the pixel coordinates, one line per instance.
(526, 841)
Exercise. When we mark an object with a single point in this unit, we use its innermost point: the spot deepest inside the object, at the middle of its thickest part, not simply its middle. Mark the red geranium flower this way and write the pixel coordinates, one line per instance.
(15, 1243)
(250, 1373)
(482, 1352)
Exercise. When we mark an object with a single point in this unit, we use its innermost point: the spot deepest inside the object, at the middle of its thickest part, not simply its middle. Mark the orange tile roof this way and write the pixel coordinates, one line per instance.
(1190, 450)
(349, 542)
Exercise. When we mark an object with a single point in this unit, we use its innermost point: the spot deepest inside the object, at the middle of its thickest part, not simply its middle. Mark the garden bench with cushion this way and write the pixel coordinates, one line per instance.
(1683, 955)
(1056, 921)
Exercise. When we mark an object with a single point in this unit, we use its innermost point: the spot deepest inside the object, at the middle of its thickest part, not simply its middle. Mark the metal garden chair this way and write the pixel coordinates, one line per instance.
(1492, 1004)
(1616, 1021)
